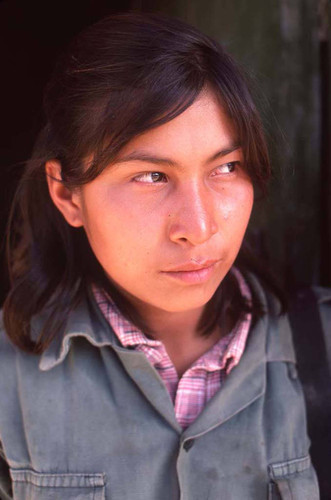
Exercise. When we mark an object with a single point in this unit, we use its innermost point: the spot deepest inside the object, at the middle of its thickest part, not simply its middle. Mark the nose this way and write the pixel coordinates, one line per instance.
(194, 218)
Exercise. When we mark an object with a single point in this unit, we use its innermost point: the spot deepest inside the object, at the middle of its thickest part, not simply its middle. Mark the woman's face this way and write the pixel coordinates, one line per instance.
(166, 221)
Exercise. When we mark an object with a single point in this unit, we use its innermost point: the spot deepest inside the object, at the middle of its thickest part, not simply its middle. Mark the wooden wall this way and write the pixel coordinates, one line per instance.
(278, 43)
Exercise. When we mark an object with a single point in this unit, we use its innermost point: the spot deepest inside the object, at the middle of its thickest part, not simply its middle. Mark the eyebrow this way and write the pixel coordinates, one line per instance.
(146, 157)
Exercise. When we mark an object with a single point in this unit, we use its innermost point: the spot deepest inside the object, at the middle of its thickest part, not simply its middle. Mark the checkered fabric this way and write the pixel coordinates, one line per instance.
(206, 375)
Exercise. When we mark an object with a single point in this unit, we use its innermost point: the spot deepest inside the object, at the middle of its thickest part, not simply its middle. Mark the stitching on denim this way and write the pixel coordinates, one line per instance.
(289, 467)
(44, 479)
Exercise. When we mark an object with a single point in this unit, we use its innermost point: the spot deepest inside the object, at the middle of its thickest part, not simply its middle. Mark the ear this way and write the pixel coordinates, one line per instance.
(66, 200)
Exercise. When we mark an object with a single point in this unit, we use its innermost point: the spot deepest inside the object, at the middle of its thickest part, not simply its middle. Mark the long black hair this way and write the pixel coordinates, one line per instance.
(122, 76)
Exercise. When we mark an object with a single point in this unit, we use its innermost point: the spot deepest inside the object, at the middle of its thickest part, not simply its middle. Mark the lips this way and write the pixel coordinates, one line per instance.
(195, 265)
(192, 273)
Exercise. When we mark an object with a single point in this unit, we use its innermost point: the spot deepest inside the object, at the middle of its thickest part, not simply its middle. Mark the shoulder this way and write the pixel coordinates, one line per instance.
(9, 369)
(279, 342)
(9, 382)
(84, 321)
(7, 349)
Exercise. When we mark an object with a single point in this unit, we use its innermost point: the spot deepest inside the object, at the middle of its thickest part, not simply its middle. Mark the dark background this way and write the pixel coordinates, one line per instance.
(285, 49)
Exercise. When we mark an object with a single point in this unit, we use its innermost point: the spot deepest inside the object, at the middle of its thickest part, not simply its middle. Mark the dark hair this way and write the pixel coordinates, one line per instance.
(122, 76)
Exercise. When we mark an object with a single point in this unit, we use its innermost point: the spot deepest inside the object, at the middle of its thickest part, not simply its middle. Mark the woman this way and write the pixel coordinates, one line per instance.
(147, 356)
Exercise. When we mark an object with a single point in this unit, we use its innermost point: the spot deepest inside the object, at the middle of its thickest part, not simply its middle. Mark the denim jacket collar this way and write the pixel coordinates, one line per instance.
(86, 320)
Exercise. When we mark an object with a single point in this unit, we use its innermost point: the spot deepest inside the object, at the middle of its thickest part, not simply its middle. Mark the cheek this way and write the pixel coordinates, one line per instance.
(236, 206)
(114, 226)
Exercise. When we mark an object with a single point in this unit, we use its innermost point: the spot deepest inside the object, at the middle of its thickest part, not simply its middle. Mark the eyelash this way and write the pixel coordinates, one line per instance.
(234, 165)
(138, 178)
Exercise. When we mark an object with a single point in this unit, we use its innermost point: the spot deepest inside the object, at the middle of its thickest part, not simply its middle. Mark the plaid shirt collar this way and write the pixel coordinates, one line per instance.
(225, 354)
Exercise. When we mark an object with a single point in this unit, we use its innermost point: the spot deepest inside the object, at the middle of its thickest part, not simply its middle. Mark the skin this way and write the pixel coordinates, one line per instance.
(177, 203)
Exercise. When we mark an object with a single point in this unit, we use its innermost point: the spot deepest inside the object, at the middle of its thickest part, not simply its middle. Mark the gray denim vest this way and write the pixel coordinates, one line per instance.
(90, 419)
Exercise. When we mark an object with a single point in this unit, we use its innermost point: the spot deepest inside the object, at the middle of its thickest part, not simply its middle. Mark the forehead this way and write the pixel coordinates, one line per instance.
(201, 130)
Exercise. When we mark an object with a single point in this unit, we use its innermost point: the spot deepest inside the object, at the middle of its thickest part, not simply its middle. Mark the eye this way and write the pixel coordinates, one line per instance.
(226, 168)
(150, 178)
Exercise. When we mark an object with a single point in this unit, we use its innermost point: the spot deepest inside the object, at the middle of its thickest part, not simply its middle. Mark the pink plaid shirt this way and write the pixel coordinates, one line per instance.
(204, 378)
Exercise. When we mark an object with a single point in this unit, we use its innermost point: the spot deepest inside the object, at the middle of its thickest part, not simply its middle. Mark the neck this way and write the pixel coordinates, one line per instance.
(166, 324)
(178, 331)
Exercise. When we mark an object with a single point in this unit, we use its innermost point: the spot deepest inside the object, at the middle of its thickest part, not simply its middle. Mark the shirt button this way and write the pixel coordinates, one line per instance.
(188, 444)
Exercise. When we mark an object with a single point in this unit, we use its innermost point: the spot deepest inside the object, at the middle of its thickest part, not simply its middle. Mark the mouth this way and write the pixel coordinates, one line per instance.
(192, 272)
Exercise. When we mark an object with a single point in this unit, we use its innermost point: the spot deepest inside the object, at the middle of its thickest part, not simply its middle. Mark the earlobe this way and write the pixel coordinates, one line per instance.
(66, 200)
